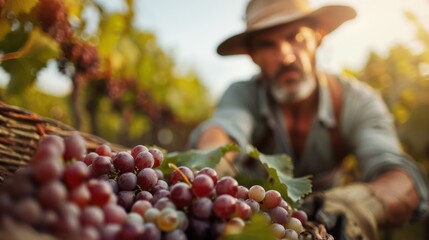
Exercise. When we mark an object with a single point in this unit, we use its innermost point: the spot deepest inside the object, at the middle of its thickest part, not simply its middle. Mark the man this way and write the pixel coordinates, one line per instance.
(292, 108)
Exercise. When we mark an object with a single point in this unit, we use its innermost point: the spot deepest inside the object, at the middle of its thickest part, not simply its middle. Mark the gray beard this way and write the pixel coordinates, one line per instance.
(282, 96)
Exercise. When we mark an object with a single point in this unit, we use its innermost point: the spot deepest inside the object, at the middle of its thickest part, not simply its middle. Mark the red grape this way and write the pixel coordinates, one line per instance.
(224, 206)
(227, 185)
(181, 195)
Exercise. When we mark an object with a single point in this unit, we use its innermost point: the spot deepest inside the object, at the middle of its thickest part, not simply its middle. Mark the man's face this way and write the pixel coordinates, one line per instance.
(286, 56)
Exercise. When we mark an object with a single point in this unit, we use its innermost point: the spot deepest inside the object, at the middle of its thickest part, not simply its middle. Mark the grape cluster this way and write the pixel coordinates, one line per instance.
(53, 18)
(71, 194)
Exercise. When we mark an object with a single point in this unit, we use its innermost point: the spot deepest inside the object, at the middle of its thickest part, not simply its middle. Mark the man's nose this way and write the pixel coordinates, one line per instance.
(286, 55)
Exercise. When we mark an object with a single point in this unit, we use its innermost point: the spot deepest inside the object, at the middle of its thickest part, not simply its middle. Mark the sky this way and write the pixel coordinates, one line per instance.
(191, 30)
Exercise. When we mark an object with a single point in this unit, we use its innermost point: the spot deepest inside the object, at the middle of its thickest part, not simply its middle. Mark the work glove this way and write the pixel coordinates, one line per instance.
(350, 212)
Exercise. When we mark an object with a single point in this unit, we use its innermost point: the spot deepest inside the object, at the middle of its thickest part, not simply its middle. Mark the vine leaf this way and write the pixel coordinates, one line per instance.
(4, 28)
(11, 41)
(29, 60)
(197, 159)
(280, 176)
(279, 168)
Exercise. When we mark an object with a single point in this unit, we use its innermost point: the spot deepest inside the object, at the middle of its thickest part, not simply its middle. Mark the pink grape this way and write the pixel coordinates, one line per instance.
(227, 185)
(89, 158)
(127, 181)
(80, 195)
(144, 160)
(209, 172)
(103, 150)
(242, 192)
(147, 179)
(157, 156)
(138, 149)
(279, 215)
(140, 206)
(181, 195)
(151, 231)
(224, 206)
(114, 214)
(100, 192)
(202, 185)
(55, 140)
(75, 174)
(272, 199)
(202, 208)
(300, 215)
(101, 165)
(75, 147)
(48, 170)
(242, 210)
(256, 193)
(123, 162)
(144, 195)
(92, 216)
(52, 195)
(126, 199)
(177, 177)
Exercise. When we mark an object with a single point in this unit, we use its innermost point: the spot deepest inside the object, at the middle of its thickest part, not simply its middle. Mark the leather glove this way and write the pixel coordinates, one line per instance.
(350, 212)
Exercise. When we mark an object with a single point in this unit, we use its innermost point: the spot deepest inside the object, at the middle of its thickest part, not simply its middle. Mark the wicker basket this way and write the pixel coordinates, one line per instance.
(20, 131)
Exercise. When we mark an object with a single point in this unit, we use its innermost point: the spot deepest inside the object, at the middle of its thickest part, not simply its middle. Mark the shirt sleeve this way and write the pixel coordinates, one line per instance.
(233, 114)
(374, 141)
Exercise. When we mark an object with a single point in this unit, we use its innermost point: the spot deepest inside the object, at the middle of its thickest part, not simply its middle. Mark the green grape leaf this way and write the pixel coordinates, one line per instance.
(256, 229)
(12, 41)
(4, 28)
(197, 159)
(280, 176)
(111, 29)
(17, 7)
(30, 59)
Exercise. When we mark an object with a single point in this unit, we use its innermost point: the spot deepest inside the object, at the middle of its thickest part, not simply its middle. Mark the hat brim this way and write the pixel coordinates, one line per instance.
(327, 18)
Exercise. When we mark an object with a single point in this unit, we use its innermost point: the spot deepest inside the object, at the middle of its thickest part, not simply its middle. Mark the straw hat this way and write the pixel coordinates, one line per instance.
(263, 14)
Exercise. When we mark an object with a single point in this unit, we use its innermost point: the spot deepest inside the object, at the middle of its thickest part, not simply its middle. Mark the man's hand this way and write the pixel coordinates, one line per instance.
(350, 212)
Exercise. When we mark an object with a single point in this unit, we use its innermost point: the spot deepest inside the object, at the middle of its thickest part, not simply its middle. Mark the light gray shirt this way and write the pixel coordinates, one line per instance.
(247, 115)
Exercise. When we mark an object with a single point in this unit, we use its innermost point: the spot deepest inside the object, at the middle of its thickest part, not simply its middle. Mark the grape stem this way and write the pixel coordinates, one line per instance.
(9, 56)
(173, 166)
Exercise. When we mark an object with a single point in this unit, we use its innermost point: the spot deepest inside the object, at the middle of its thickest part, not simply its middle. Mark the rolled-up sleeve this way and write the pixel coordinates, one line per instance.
(375, 143)
(233, 114)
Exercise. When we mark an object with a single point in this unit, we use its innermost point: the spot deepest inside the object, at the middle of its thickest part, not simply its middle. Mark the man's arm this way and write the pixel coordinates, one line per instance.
(398, 194)
(213, 137)
(393, 189)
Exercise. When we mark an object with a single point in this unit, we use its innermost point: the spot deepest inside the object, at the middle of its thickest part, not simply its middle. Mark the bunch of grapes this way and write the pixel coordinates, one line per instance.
(71, 194)
(53, 18)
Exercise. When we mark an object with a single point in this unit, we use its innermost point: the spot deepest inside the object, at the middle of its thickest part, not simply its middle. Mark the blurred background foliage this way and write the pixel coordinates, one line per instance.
(125, 88)
(402, 77)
